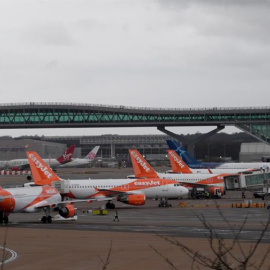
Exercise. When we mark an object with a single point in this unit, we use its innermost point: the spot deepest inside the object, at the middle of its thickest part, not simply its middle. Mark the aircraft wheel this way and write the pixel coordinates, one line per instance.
(44, 219)
(110, 205)
(5, 219)
(49, 219)
(1, 217)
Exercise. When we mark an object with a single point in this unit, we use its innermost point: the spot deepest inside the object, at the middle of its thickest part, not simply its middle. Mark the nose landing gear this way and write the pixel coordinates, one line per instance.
(164, 203)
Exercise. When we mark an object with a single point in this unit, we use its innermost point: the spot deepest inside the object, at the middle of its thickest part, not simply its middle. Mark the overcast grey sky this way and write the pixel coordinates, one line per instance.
(154, 53)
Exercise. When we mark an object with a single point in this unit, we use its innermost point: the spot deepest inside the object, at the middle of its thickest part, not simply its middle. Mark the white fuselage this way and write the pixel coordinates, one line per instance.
(76, 163)
(204, 179)
(158, 188)
(215, 171)
(9, 164)
(245, 165)
(27, 199)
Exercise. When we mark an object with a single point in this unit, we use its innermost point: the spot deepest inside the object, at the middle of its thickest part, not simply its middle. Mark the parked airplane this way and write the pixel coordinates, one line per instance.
(34, 199)
(89, 158)
(133, 192)
(22, 164)
(179, 166)
(214, 182)
(193, 163)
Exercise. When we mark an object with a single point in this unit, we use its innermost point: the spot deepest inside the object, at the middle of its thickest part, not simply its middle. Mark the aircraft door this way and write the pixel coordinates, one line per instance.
(165, 186)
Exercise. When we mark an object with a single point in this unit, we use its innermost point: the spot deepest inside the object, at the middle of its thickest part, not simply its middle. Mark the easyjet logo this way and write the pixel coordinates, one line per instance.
(40, 166)
(140, 161)
(147, 183)
(51, 191)
(177, 160)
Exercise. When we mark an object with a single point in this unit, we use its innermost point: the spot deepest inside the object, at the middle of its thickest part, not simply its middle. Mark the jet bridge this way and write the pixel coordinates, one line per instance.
(244, 181)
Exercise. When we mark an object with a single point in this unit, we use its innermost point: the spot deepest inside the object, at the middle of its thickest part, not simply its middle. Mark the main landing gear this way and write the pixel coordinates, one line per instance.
(110, 205)
(3, 218)
(164, 203)
(47, 218)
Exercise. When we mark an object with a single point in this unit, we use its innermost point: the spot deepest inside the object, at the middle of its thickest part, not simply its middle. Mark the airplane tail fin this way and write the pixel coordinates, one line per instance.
(93, 153)
(67, 155)
(140, 166)
(178, 165)
(185, 156)
(41, 172)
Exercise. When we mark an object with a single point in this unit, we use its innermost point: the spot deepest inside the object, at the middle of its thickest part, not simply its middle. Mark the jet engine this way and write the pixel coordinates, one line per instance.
(67, 211)
(134, 199)
(7, 202)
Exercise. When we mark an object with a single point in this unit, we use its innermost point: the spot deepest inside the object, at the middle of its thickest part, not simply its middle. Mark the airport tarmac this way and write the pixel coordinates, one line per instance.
(85, 243)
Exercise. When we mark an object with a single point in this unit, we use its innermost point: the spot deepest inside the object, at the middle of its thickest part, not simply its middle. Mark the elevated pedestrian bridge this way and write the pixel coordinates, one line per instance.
(255, 121)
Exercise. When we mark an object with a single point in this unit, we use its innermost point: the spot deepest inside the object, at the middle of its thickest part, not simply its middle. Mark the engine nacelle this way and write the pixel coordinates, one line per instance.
(134, 199)
(30, 184)
(67, 211)
(7, 201)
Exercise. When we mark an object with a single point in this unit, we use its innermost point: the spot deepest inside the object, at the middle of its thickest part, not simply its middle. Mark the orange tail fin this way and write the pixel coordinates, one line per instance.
(178, 165)
(140, 166)
(41, 172)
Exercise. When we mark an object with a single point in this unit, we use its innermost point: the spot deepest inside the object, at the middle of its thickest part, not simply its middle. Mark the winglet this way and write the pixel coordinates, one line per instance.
(93, 153)
(178, 165)
(41, 172)
(140, 166)
(67, 155)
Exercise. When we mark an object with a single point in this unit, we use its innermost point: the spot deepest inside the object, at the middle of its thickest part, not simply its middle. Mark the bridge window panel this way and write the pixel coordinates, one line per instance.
(76, 117)
(62, 117)
(197, 118)
(253, 180)
(48, 118)
(2, 119)
(151, 118)
(18, 119)
(258, 116)
(92, 117)
(243, 117)
(181, 118)
(33, 118)
(105, 118)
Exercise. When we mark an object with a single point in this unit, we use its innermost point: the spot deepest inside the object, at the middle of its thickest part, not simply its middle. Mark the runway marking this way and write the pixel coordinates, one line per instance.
(13, 253)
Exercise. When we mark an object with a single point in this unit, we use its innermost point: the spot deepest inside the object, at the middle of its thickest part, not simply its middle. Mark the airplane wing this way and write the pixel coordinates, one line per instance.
(44, 204)
(108, 192)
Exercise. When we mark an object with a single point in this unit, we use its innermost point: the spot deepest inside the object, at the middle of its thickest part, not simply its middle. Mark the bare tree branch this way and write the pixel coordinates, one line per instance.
(167, 260)
(223, 251)
(107, 261)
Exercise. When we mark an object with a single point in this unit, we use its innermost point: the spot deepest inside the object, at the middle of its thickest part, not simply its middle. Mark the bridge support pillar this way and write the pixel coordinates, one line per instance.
(192, 143)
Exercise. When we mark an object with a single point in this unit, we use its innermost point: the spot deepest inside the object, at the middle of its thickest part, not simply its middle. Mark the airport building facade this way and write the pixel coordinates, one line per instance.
(153, 147)
(15, 148)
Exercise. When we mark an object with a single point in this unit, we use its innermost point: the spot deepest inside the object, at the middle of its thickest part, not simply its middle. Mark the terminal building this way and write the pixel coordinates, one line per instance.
(15, 149)
(153, 147)
(255, 151)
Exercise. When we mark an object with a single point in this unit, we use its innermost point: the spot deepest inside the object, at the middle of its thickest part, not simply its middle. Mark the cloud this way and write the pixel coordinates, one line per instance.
(49, 34)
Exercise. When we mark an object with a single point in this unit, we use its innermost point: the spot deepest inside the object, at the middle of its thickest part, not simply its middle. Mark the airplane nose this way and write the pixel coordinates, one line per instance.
(184, 191)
